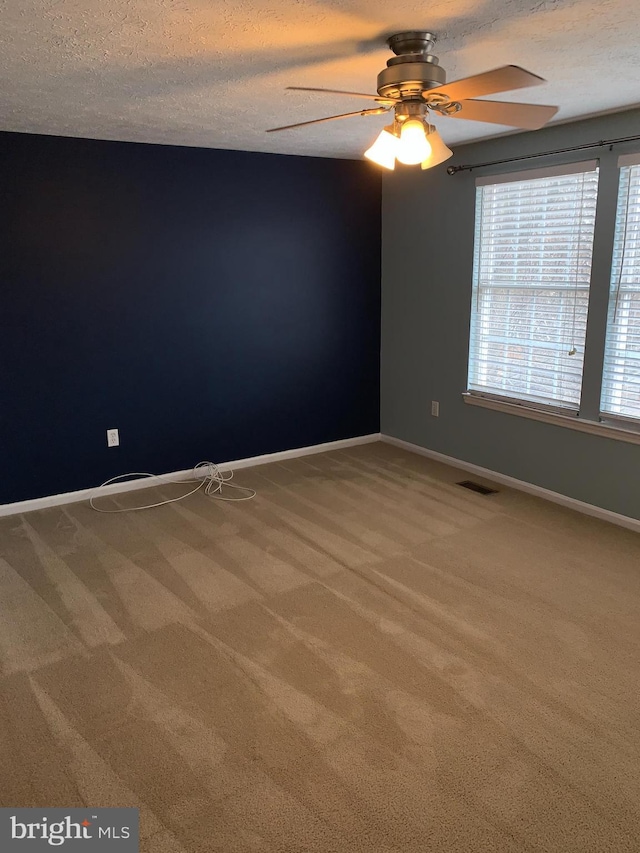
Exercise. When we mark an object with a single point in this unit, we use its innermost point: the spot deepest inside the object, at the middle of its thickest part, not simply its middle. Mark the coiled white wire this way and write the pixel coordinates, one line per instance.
(208, 476)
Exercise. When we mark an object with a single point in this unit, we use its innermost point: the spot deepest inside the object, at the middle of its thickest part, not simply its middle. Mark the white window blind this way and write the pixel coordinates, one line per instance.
(621, 377)
(532, 269)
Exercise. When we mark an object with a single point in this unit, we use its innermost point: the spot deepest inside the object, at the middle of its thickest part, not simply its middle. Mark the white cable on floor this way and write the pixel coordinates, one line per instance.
(208, 476)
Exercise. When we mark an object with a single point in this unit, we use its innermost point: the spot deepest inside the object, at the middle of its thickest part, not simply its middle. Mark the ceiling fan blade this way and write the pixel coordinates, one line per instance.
(526, 116)
(340, 92)
(499, 80)
(373, 112)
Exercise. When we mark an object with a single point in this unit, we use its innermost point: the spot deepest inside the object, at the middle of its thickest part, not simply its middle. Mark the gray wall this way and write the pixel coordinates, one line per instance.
(427, 263)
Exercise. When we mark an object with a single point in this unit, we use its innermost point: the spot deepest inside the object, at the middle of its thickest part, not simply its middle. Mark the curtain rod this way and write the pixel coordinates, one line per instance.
(453, 169)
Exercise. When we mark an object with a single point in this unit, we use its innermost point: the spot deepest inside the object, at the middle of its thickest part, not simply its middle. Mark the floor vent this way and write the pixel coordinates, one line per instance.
(476, 487)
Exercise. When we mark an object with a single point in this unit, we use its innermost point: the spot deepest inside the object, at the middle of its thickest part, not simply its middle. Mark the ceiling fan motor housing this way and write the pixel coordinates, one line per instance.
(414, 69)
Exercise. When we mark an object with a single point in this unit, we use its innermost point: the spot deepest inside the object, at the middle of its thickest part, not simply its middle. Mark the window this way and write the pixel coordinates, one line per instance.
(532, 269)
(621, 377)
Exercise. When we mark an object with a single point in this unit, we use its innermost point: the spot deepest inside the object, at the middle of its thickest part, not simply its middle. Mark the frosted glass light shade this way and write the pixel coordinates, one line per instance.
(439, 151)
(414, 147)
(383, 151)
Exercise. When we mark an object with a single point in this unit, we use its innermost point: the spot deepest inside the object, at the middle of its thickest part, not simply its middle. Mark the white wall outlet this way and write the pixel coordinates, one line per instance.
(113, 438)
(435, 408)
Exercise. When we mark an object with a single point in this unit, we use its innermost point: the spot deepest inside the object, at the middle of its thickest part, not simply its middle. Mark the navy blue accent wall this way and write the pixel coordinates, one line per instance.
(209, 304)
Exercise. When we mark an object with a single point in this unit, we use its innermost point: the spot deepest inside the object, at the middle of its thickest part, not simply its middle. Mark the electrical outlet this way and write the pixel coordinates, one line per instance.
(113, 438)
(435, 408)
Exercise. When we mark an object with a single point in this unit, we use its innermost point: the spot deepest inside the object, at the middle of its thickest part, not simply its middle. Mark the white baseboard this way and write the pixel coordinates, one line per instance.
(176, 476)
(301, 451)
(521, 485)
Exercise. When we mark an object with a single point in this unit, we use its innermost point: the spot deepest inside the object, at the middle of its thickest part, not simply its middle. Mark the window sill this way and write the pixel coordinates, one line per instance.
(593, 427)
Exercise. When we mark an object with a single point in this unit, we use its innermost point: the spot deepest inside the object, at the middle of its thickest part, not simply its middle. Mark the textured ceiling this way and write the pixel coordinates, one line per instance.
(213, 72)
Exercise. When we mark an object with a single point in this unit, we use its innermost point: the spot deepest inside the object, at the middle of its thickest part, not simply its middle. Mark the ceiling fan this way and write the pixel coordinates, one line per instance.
(414, 85)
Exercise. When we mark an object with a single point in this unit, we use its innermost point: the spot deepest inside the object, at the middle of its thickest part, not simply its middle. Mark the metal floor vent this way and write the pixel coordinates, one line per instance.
(476, 487)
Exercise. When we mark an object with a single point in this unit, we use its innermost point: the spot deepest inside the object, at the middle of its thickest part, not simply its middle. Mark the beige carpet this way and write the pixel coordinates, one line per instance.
(366, 657)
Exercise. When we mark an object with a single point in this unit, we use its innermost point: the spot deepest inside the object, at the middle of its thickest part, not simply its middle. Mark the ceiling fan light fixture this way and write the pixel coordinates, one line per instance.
(439, 151)
(414, 147)
(413, 83)
(384, 150)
